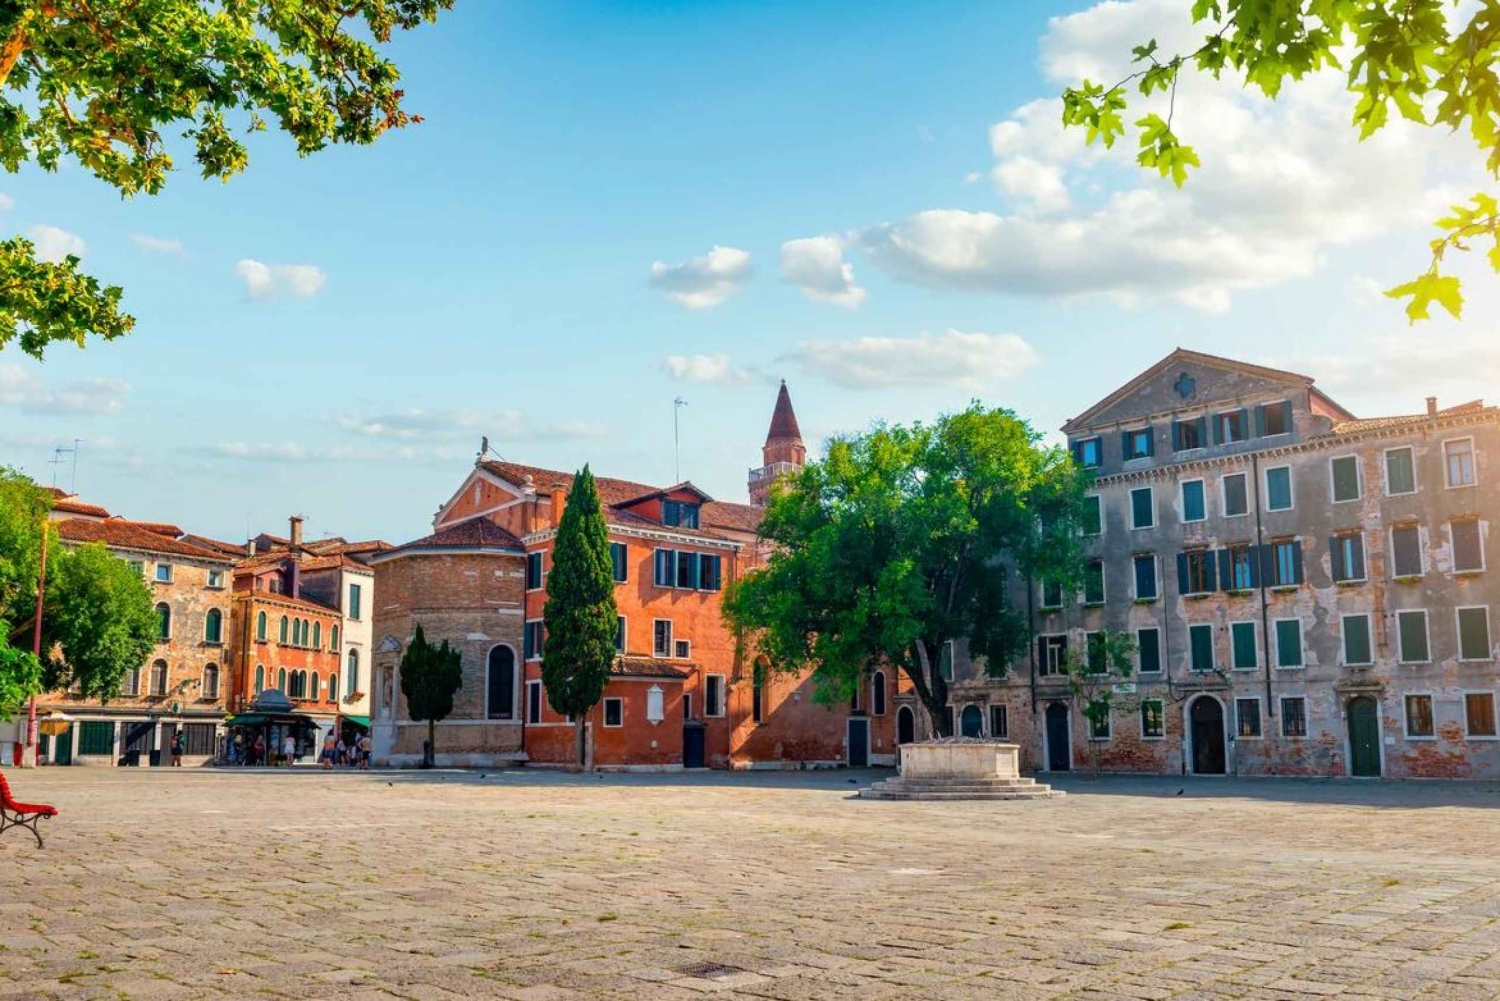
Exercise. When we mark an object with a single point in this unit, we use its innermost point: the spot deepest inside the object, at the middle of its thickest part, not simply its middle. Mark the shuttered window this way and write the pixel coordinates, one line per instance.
(1279, 488)
(1142, 508)
(1412, 627)
(1194, 506)
(1236, 495)
(1468, 549)
(1348, 556)
(1196, 571)
(1400, 472)
(1093, 583)
(1201, 644)
(1138, 443)
(1288, 642)
(1242, 640)
(1474, 634)
(1479, 714)
(1148, 650)
(1345, 473)
(1273, 419)
(533, 571)
(1406, 551)
(618, 552)
(1358, 651)
(1145, 576)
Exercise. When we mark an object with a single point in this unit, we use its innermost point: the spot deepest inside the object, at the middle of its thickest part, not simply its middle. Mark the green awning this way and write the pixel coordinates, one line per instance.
(248, 719)
(363, 721)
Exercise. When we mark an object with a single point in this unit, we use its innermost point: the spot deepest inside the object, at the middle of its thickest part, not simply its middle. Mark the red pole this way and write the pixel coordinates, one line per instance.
(36, 645)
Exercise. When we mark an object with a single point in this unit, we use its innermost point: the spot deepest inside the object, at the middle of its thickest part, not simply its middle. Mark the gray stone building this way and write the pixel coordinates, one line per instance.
(1308, 590)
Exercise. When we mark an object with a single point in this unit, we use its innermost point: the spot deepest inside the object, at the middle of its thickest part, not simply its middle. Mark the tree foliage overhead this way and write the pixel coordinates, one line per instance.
(1415, 59)
(106, 81)
(904, 539)
(430, 677)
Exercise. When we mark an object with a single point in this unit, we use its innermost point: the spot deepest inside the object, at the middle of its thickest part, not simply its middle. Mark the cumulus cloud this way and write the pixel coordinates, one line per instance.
(53, 244)
(6, 201)
(265, 282)
(717, 370)
(703, 282)
(954, 358)
(416, 425)
(816, 265)
(93, 395)
(157, 244)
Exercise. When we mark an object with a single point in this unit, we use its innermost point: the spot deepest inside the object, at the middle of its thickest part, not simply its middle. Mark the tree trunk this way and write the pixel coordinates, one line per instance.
(582, 745)
(429, 760)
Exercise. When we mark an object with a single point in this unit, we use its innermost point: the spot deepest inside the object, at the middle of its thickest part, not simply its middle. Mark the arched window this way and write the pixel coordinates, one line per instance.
(213, 626)
(317, 635)
(758, 691)
(500, 680)
(260, 627)
(296, 632)
(333, 687)
(314, 687)
(333, 637)
(260, 678)
(210, 687)
(971, 722)
(877, 694)
(159, 678)
(283, 638)
(353, 672)
(163, 621)
(132, 683)
(281, 680)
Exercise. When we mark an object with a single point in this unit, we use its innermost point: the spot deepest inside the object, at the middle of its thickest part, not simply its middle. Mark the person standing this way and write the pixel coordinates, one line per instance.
(289, 750)
(365, 747)
(177, 749)
(329, 755)
(258, 753)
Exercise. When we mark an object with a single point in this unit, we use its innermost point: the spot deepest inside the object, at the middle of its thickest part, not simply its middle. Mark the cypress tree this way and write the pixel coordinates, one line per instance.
(580, 612)
(430, 675)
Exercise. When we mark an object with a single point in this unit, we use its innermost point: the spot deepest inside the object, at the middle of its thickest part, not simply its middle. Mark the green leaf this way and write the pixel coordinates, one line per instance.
(1423, 291)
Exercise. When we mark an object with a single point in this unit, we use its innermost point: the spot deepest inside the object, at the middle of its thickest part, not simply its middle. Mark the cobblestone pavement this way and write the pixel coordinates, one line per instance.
(194, 884)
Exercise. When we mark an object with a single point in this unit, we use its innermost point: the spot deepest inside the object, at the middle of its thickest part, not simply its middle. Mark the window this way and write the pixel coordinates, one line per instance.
(333, 638)
(1406, 551)
(164, 573)
(1145, 576)
(1358, 650)
(1344, 474)
(877, 693)
(661, 642)
(1052, 594)
(213, 626)
(1247, 717)
(679, 513)
(1412, 627)
(1051, 654)
(1242, 570)
(317, 639)
(1195, 571)
(500, 682)
(260, 627)
(1468, 546)
(1244, 651)
(1093, 583)
(260, 678)
(689, 571)
(281, 680)
(758, 691)
(1279, 488)
(1153, 721)
(216, 579)
(163, 621)
(314, 686)
(687, 705)
(1419, 721)
(656, 709)
(533, 571)
(1273, 418)
(1087, 453)
(333, 686)
(1097, 653)
(275, 585)
(999, 723)
(1458, 461)
(614, 712)
(1400, 471)
(619, 553)
(96, 737)
(533, 702)
(159, 679)
(1236, 495)
(1230, 427)
(1479, 714)
(1099, 726)
(620, 634)
(533, 639)
(1138, 444)
(1286, 563)
(283, 635)
(1189, 434)
(1142, 508)
(682, 649)
(1093, 515)
(1201, 646)
(1148, 650)
(138, 566)
(1288, 642)
(713, 695)
(354, 596)
(1294, 717)
(1194, 507)
(132, 684)
(1348, 552)
(1474, 634)
(296, 682)
(209, 688)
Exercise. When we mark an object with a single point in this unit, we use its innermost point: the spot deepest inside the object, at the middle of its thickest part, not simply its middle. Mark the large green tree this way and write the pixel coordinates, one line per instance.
(23, 518)
(98, 621)
(905, 539)
(105, 81)
(430, 677)
(1432, 62)
(580, 613)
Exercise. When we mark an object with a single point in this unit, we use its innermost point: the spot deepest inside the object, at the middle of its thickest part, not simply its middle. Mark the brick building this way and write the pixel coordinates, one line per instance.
(1308, 591)
(682, 693)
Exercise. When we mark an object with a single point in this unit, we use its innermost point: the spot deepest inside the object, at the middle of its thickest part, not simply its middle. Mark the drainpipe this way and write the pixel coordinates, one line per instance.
(1265, 621)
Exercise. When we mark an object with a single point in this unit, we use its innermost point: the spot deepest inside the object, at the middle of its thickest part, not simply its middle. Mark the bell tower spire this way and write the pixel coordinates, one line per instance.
(783, 453)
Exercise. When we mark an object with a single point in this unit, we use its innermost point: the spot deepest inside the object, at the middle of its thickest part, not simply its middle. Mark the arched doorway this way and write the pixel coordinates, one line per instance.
(971, 722)
(1207, 718)
(1364, 736)
(500, 682)
(906, 725)
(1059, 738)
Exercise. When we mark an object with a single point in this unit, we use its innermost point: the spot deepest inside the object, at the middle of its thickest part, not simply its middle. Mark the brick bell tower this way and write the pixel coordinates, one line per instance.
(783, 452)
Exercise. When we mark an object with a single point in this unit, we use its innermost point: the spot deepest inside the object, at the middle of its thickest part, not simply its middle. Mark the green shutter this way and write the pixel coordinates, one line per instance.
(1243, 634)
(1473, 634)
(1356, 639)
(1148, 645)
(1202, 642)
(1289, 643)
(1413, 629)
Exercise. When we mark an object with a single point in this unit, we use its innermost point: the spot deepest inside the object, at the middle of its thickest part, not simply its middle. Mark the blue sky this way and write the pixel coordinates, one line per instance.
(331, 336)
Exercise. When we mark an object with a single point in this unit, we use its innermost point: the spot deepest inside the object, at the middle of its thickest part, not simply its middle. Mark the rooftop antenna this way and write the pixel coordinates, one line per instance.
(57, 458)
(677, 404)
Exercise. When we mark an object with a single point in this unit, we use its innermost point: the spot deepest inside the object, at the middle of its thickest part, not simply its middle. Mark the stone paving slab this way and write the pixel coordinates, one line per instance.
(434, 887)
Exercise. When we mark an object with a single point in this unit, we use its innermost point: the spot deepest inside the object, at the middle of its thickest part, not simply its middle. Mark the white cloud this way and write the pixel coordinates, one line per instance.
(265, 282)
(715, 370)
(970, 361)
(157, 245)
(53, 244)
(93, 395)
(6, 201)
(816, 265)
(416, 424)
(1364, 290)
(703, 282)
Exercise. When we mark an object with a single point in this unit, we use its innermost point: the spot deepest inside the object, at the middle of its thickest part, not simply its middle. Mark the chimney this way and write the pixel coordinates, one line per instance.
(296, 531)
(557, 507)
(1431, 405)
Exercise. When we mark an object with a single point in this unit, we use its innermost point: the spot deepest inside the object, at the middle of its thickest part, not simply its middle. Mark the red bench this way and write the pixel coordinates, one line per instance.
(13, 814)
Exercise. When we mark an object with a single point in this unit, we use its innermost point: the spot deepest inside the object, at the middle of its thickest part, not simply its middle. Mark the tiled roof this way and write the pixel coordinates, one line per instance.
(117, 533)
(476, 533)
(162, 528)
(1401, 420)
(329, 547)
(286, 599)
(647, 667)
(333, 562)
(783, 419)
(227, 548)
(66, 503)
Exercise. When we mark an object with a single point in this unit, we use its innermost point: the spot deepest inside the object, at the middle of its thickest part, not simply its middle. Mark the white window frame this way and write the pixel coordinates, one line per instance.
(1401, 636)
(1042, 597)
(723, 696)
(1453, 547)
(679, 643)
(211, 585)
(1291, 489)
(671, 637)
(1432, 711)
(541, 699)
(1099, 500)
(1473, 463)
(1224, 495)
(1162, 706)
(1359, 480)
(1494, 706)
(1301, 643)
(1364, 558)
(1043, 669)
(1151, 492)
(1260, 713)
(525, 626)
(1421, 553)
(1182, 498)
(1213, 653)
(541, 571)
(1222, 427)
(604, 713)
(1161, 668)
(203, 681)
(156, 573)
(1255, 636)
(1385, 471)
(1307, 729)
(1344, 644)
(1155, 574)
(1458, 634)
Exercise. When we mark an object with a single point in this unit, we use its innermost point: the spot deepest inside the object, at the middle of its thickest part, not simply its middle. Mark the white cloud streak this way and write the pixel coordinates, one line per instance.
(703, 282)
(268, 282)
(54, 244)
(92, 395)
(954, 358)
(714, 370)
(816, 265)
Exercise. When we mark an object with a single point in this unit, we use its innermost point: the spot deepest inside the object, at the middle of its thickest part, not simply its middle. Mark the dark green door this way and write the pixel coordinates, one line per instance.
(1364, 736)
(62, 747)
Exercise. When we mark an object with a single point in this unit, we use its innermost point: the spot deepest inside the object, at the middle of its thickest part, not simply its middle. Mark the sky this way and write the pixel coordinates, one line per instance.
(612, 205)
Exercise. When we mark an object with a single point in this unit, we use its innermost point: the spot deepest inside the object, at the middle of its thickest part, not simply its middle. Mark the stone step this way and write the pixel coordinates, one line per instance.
(1040, 792)
(956, 785)
(997, 780)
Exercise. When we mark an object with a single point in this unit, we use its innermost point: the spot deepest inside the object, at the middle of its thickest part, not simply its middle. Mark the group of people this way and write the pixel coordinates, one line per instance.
(346, 754)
